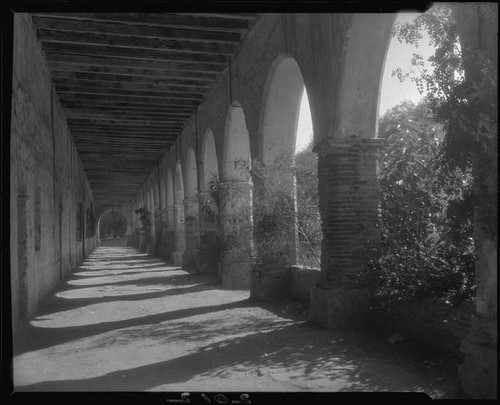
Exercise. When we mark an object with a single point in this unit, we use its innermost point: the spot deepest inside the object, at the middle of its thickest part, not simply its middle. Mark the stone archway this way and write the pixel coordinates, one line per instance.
(119, 238)
(275, 185)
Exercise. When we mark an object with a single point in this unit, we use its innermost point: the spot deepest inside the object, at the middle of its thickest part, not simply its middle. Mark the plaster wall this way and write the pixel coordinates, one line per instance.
(47, 181)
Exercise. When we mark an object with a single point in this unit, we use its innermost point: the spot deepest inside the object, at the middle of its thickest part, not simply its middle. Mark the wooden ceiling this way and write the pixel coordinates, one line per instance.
(128, 82)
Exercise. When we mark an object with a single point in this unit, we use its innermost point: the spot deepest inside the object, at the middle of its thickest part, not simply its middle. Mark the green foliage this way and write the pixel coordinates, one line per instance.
(145, 218)
(285, 203)
(426, 223)
(431, 176)
(210, 205)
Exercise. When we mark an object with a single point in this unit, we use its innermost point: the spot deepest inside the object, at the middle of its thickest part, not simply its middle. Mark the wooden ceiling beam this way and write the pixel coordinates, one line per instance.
(52, 23)
(71, 108)
(104, 92)
(153, 102)
(90, 38)
(120, 138)
(159, 55)
(237, 16)
(164, 66)
(132, 80)
(139, 88)
(213, 23)
(72, 114)
(132, 72)
(118, 124)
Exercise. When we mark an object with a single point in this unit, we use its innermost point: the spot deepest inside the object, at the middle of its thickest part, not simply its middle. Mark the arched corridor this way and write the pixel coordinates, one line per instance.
(175, 120)
(134, 323)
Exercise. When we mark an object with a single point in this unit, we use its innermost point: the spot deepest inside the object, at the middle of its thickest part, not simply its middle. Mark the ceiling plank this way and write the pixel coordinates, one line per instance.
(134, 53)
(164, 66)
(109, 108)
(139, 87)
(133, 72)
(238, 16)
(127, 100)
(104, 92)
(124, 116)
(133, 80)
(212, 23)
(135, 30)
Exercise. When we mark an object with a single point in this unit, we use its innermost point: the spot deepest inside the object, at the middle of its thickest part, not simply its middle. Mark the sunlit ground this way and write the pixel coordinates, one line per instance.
(129, 322)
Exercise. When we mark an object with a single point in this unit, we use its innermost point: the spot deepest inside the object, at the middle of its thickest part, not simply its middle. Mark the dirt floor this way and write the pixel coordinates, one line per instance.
(126, 321)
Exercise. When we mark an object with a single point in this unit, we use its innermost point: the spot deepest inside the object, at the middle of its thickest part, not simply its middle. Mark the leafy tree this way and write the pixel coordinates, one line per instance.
(430, 184)
(427, 247)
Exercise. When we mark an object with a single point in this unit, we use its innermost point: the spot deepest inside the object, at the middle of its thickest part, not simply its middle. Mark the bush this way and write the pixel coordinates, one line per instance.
(426, 247)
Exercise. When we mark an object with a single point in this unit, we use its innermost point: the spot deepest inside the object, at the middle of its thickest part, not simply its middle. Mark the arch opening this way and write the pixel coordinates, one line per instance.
(112, 228)
(288, 174)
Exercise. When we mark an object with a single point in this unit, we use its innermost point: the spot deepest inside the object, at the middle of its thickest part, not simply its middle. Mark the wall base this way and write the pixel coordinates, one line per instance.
(190, 260)
(478, 373)
(177, 258)
(339, 307)
(270, 283)
(236, 275)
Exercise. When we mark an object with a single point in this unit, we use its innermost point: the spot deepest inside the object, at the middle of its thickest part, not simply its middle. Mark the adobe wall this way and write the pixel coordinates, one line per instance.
(47, 181)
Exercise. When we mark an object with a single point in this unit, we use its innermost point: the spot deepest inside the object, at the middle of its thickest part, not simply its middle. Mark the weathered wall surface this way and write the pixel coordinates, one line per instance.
(47, 181)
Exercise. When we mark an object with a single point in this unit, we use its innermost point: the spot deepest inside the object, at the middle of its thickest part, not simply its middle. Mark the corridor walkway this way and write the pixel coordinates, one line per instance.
(126, 321)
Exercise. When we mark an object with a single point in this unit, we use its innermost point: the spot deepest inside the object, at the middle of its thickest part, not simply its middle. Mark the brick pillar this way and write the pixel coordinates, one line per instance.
(236, 260)
(179, 234)
(192, 224)
(210, 234)
(349, 202)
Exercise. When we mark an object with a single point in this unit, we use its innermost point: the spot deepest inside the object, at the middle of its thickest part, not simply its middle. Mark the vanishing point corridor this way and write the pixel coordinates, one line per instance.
(176, 133)
(126, 321)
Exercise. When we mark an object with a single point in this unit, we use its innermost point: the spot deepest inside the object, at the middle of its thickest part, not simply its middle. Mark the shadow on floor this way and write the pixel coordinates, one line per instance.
(37, 338)
(285, 347)
(243, 348)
